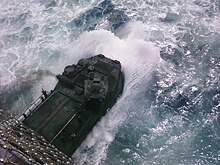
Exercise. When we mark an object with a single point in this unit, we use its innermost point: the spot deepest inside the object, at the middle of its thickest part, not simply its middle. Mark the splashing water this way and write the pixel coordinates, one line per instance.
(169, 111)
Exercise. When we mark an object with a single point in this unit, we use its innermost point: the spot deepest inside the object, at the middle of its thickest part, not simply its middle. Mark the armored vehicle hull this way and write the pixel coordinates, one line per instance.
(19, 145)
(83, 94)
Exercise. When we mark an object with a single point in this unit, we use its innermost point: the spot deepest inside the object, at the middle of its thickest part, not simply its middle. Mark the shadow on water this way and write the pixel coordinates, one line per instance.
(19, 90)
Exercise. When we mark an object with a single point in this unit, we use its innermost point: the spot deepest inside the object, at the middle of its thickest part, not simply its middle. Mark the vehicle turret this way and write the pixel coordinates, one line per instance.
(81, 97)
(55, 125)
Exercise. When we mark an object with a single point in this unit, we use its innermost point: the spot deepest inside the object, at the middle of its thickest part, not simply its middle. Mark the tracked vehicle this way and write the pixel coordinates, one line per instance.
(61, 119)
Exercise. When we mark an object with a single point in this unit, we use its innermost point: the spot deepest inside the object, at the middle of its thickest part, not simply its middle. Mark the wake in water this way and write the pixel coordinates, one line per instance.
(169, 111)
(139, 59)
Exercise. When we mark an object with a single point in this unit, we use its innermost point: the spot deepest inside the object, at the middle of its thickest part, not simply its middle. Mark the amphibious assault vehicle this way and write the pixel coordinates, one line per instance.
(55, 125)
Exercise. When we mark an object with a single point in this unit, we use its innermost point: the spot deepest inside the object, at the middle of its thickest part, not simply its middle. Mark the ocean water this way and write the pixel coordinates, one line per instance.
(169, 113)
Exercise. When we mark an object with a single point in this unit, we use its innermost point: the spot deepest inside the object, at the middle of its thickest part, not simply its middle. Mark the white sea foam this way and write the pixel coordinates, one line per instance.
(35, 33)
(216, 24)
(5, 76)
(138, 58)
(52, 48)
